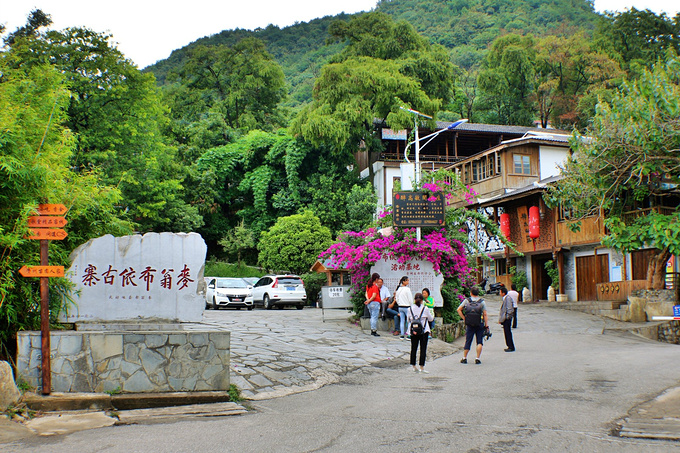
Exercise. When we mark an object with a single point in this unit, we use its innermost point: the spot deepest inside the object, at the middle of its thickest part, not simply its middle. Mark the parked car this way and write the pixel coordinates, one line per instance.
(250, 280)
(228, 292)
(280, 290)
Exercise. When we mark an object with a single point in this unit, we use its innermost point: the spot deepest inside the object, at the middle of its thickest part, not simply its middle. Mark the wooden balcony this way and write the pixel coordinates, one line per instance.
(630, 216)
(399, 157)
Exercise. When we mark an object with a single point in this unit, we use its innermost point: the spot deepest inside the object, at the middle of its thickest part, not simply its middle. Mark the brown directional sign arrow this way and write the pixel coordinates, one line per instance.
(50, 234)
(52, 209)
(46, 221)
(42, 271)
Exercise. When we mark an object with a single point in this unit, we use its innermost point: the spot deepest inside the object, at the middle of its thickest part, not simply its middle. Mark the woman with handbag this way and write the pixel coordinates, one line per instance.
(404, 298)
(419, 318)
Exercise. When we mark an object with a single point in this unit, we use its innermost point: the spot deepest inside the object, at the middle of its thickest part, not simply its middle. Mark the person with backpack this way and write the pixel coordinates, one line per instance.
(404, 298)
(419, 318)
(473, 312)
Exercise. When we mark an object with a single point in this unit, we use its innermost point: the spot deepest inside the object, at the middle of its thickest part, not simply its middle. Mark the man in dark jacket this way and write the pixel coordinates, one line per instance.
(505, 319)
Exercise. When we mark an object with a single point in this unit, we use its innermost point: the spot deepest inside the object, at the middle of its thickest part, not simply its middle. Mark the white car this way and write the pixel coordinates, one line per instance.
(228, 292)
(280, 290)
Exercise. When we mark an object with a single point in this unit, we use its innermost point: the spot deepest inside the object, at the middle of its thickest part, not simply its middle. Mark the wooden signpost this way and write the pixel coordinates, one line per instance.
(43, 228)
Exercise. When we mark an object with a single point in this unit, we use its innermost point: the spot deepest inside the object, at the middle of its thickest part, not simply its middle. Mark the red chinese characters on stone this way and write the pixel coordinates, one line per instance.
(128, 277)
(147, 276)
(166, 281)
(90, 275)
(183, 278)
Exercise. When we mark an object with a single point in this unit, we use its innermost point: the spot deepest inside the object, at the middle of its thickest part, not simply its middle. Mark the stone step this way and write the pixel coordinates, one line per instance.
(174, 413)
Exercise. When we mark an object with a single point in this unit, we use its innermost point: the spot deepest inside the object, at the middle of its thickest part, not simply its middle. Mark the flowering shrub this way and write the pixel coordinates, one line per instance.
(358, 251)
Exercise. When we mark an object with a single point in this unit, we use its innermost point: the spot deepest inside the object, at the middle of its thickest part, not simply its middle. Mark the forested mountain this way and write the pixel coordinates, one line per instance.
(465, 27)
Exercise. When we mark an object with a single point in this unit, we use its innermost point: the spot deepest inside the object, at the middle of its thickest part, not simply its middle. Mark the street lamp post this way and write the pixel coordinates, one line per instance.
(416, 142)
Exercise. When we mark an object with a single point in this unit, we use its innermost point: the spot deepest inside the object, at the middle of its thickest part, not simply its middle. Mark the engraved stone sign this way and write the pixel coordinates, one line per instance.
(150, 277)
(420, 274)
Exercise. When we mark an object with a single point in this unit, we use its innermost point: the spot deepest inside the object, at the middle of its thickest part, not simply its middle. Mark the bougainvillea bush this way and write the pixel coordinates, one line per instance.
(358, 251)
(446, 248)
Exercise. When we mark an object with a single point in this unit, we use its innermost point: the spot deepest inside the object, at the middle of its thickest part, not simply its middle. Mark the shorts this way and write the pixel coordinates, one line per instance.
(471, 332)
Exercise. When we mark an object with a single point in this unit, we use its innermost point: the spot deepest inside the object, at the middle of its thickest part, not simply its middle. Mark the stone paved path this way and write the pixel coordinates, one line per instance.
(280, 352)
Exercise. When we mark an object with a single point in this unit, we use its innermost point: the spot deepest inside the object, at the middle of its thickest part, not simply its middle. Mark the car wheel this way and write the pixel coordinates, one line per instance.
(266, 302)
(250, 308)
(299, 307)
(207, 305)
(215, 306)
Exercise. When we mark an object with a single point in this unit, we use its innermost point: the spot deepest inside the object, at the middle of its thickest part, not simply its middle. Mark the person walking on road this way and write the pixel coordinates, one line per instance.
(505, 319)
(373, 303)
(421, 314)
(514, 294)
(473, 312)
(404, 298)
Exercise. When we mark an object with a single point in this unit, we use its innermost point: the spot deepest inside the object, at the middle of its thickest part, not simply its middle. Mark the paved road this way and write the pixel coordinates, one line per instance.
(563, 390)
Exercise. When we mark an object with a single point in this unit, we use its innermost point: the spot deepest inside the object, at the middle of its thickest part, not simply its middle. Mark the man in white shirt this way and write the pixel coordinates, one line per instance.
(514, 295)
(384, 298)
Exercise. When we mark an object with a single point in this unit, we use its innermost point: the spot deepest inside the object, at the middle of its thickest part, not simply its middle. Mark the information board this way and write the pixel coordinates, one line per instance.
(418, 209)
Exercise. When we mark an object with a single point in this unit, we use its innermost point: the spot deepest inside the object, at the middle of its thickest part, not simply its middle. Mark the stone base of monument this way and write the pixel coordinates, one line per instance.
(160, 358)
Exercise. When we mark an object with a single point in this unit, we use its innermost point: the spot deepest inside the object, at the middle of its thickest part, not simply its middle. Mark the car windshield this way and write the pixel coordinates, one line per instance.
(231, 283)
(290, 281)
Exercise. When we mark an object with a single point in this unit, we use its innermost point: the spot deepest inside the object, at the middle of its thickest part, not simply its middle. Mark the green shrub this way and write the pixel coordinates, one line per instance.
(313, 283)
(222, 269)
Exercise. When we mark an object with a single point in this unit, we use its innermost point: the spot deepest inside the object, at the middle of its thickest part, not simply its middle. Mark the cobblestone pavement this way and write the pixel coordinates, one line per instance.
(280, 352)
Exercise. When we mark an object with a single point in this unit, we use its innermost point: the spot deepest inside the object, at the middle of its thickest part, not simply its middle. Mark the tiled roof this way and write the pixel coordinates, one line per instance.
(498, 128)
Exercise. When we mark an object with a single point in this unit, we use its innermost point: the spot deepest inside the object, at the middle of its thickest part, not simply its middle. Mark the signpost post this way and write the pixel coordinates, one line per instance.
(42, 230)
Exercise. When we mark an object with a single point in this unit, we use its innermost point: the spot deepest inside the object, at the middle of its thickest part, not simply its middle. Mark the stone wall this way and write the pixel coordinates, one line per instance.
(452, 330)
(128, 362)
(670, 332)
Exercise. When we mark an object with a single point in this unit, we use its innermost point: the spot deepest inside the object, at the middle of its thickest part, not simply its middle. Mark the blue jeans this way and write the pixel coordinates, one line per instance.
(403, 311)
(393, 314)
(374, 310)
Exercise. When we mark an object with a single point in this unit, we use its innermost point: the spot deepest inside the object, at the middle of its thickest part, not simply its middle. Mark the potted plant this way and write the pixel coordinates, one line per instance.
(554, 275)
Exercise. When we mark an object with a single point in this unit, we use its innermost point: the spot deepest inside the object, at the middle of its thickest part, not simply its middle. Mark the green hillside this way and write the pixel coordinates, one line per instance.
(466, 27)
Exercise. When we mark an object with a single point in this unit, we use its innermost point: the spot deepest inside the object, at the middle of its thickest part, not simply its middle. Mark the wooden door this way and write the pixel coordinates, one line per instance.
(589, 273)
(540, 281)
(640, 262)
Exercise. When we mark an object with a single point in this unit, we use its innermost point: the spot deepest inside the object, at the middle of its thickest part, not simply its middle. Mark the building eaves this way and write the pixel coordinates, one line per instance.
(513, 194)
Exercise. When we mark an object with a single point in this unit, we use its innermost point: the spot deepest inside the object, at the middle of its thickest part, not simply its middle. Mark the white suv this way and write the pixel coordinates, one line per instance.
(280, 290)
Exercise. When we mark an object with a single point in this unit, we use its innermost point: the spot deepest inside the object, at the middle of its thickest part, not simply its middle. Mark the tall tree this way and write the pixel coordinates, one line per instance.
(116, 114)
(35, 167)
(385, 65)
(630, 161)
(639, 37)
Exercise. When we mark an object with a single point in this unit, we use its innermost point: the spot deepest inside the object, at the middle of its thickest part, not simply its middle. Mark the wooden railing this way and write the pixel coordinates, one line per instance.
(394, 157)
(630, 216)
(619, 290)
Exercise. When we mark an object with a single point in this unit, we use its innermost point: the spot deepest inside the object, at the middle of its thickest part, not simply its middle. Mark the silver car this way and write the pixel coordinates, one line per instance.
(280, 290)
(228, 292)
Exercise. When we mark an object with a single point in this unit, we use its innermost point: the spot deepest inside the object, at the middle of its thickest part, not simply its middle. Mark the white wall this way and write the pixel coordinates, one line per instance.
(383, 182)
(550, 157)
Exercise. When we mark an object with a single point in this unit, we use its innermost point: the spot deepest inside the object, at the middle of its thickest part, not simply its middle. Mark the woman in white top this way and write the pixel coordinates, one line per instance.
(419, 312)
(404, 298)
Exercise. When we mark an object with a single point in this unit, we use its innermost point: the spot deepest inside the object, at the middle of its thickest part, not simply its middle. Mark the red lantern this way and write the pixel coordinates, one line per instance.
(534, 220)
(505, 225)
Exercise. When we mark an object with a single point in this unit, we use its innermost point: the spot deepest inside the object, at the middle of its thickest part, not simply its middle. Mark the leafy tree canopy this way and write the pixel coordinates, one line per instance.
(629, 161)
(116, 114)
(367, 81)
(293, 243)
(35, 167)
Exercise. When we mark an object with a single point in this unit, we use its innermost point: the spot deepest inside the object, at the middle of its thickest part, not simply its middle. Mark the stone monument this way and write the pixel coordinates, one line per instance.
(150, 277)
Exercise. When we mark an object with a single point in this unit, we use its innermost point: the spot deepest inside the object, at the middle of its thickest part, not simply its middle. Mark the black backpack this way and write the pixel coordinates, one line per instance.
(416, 325)
(473, 313)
